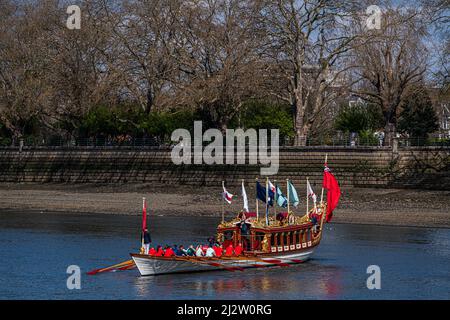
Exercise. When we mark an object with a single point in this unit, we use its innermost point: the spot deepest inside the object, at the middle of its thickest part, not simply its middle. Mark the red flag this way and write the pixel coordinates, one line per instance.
(333, 192)
(144, 214)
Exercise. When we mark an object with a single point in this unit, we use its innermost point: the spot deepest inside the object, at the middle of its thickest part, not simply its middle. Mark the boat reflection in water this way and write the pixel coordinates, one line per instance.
(275, 283)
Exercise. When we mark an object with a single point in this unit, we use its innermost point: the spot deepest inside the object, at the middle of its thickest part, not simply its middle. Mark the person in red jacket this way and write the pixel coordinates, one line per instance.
(168, 252)
(152, 251)
(159, 252)
(218, 250)
(229, 250)
(238, 249)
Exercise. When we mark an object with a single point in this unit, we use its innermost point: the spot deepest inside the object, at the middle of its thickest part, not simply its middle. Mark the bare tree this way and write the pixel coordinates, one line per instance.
(216, 53)
(79, 74)
(142, 32)
(391, 63)
(307, 41)
(24, 65)
(437, 12)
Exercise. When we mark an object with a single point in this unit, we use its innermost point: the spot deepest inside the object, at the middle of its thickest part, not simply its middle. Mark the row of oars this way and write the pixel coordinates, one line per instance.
(126, 265)
(214, 262)
(129, 264)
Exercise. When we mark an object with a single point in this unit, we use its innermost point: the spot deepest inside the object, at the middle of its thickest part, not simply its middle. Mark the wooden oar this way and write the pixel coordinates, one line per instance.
(116, 266)
(129, 267)
(222, 265)
(207, 261)
(201, 260)
(270, 261)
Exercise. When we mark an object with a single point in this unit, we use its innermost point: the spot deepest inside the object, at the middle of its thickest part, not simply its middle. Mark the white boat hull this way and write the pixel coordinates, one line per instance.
(148, 265)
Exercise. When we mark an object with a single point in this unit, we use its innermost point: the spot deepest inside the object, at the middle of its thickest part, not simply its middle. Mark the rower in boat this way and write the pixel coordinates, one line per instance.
(168, 252)
(210, 252)
(190, 251)
(218, 250)
(159, 251)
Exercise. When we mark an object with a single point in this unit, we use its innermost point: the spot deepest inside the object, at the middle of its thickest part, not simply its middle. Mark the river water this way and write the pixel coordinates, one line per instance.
(37, 248)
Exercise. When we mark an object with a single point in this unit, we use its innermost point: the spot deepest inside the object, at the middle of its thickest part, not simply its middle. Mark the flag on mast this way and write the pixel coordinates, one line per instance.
(244, 197)
(272, 192)
(310, 192)
(228, 197)
(281, 198)
(144, 222)
(261, 194)
(293, 197)
(272, 187)
(333, 192)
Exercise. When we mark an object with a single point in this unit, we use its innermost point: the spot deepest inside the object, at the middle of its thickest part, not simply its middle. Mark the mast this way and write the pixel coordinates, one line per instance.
(256, 193)
(287, 190)
(267, 201)
(307, 195)
(275, 198)
(222, 200)
(242, 189)
(144, 220)
(321, 197)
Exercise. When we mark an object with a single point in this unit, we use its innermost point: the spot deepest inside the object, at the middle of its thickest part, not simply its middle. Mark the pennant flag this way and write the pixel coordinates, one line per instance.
(144, 214)
(281, 198)
(226, 195)
(144, 221)
(293, 197)
(244, 197)
(310, 193)
(333, 192)
(261, 194)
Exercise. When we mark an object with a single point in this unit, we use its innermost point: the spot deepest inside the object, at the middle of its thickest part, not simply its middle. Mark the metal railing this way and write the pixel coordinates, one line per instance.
(128, 142)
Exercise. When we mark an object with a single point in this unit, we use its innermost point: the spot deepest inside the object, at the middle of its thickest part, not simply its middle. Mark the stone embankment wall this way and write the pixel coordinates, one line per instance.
(354, 167)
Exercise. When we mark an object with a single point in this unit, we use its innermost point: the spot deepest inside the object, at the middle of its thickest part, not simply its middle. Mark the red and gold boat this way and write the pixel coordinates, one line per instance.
(286, 239)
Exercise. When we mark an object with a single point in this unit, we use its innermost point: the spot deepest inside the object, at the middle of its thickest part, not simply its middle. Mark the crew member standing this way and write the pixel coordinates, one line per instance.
(147, 240)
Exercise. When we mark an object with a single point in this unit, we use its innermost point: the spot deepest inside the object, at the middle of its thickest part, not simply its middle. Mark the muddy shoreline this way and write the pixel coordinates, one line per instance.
(396, 207)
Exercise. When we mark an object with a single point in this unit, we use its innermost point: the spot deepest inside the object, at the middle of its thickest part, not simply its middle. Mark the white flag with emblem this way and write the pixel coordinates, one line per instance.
(244, 197)
(311, 192)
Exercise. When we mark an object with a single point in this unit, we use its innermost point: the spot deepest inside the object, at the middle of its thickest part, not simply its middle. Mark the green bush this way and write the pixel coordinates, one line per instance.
(367, 138)
(418, 117)
(162, 124)
(263, 115)
(359, 118)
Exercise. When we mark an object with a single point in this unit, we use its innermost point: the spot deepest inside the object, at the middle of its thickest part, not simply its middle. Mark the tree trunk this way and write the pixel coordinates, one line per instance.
(301, 134)
(390, 127)
(299, 119)
(149, 104)
(389, 135)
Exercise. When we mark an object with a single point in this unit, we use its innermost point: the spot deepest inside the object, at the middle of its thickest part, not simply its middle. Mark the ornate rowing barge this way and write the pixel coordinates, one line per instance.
(280, 240)
(288, 239)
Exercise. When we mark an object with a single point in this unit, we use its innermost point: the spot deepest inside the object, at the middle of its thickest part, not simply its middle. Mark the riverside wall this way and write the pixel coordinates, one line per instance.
(355, 167)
